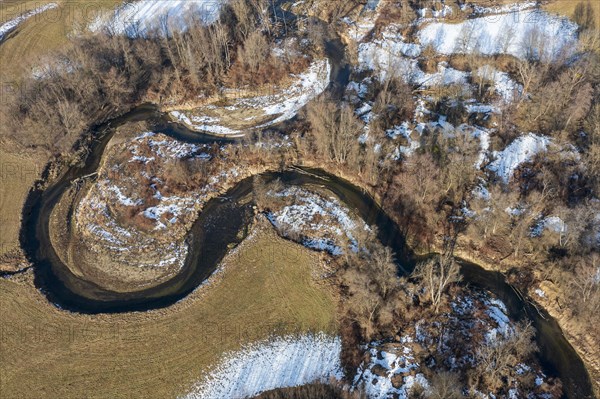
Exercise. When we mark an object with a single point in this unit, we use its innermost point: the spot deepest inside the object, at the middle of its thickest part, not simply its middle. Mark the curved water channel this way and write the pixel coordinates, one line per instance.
(222, 224)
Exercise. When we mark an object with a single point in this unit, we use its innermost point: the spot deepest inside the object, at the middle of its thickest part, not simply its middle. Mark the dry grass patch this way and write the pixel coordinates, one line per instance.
(44, 33)
(567, 7)
(267, 287)
(17, 174)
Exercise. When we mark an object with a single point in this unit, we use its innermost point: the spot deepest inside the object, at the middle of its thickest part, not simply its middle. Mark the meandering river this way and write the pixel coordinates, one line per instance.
(223, 222)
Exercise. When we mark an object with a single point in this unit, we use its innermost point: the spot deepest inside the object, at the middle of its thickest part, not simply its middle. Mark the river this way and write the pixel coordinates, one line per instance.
(223, 223)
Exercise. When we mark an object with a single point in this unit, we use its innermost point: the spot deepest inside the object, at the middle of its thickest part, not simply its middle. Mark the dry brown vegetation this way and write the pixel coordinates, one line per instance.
(332, 390)
(81, 87)
(425, 193)
(18, 172)
(256, 65)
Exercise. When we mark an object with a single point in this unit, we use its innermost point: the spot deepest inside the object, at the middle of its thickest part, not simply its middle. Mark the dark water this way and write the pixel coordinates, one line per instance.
(222, 224)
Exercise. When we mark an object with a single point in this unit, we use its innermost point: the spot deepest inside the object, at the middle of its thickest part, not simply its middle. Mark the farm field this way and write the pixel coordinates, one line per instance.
(17, 174)
(266, 288)
(43, 33)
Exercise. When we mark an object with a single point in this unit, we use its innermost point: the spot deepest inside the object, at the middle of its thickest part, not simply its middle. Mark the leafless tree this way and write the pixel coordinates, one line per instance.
(444, 385)
(255, 51)
(437, 274)
(335, 130)
(584, 15)
(497, 360)
(586, 285)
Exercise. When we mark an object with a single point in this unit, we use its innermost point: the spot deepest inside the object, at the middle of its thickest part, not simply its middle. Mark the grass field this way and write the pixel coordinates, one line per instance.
(567, 7)
(17, 174)
(34, 38)
(266, 287)
(43, 33)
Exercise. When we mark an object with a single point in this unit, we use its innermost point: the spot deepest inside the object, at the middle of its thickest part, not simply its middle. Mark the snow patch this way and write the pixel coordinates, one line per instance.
(12, 24)
(524, 34)
(165, 16)
(507, 88)
(402, 361)
(521, 150)
(281, 106)
(284, 362)
(323, 222)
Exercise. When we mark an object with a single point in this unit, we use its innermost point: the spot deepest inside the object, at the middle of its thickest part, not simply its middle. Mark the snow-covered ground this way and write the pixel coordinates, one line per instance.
(483, 135)
(523, 34)
(203, 123)
(395, 360)
(279, 363)
(165, 16)
(550, 223)
(323, 223)
(365, 22)
(521, 150)
(392, 56)
(12, 24)
(478, 9)
(507, 88)
(280, 106)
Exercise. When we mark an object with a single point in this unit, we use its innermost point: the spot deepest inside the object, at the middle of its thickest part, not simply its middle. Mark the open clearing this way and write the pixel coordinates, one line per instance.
(266, 287)
(17, 174)
(567, 7)
(44, 33)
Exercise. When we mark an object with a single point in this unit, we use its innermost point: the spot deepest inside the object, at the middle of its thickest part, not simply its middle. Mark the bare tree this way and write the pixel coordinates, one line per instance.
(498, 359)
(254, 51)
(586, 285)
(384, 270)
(584, 16)
(364, 301)
(444, 385)
(437, 274)
(335, 130)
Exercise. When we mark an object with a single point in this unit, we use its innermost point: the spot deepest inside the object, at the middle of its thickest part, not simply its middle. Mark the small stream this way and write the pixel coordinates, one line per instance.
(223, 224)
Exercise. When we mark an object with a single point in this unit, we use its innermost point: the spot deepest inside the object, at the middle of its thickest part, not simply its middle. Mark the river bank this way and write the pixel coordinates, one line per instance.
(582, 342)
(357, 196)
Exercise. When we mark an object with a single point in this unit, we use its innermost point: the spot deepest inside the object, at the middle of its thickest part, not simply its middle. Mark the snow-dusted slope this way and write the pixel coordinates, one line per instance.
(523, 149)
(507, 88)
(365, 22)
(391, 56)
(522, 34)
(283, 362)
(140, 17)
(12, 24)
(280, 106)
(324, 223)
